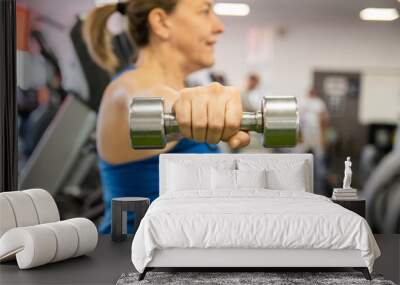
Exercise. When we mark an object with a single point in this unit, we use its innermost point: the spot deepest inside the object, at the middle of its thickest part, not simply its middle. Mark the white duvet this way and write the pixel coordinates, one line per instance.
(254, 218)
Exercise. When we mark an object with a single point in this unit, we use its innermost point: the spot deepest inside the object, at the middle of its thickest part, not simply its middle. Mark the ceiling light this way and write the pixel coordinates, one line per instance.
(99, 3)
(379, 14)
(231, 9)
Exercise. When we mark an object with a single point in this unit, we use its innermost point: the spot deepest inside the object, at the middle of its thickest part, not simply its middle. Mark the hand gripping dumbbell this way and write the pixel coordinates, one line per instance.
(152, 128)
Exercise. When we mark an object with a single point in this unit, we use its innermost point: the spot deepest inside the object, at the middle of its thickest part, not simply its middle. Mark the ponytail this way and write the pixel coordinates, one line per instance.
(98, 38)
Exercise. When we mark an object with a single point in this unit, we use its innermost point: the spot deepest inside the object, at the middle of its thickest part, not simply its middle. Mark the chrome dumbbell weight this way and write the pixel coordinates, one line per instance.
(152, 128)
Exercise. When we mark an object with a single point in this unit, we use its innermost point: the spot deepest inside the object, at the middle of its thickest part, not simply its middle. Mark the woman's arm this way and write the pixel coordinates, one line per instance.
(113, 138)
(205, 114)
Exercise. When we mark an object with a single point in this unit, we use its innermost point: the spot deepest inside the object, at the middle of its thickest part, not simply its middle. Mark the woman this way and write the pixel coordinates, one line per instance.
(175, 38)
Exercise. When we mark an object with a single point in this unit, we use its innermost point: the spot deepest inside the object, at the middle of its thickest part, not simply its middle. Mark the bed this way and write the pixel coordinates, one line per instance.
(247, 210)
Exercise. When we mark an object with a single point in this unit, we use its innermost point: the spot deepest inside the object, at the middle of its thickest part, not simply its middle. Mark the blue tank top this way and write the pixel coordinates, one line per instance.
(139, 178)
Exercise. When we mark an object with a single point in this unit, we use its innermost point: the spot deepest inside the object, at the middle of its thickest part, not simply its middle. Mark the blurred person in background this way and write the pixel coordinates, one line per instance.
(251, 95)
(314, 120)
(218, 77)
(174, 38)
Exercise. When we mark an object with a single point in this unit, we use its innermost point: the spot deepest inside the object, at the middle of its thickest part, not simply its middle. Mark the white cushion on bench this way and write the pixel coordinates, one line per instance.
(7, 220)
(40, 244)
(26, 208)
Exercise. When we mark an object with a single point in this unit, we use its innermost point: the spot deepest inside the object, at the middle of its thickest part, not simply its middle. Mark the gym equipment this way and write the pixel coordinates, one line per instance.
(35, 122)
(151, 128)
(65, 161)
(97, 79)
(382, 192)
(63, 157)
(57, 151)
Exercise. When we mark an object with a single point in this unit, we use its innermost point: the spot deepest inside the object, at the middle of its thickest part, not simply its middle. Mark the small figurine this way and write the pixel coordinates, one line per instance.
(347, 174)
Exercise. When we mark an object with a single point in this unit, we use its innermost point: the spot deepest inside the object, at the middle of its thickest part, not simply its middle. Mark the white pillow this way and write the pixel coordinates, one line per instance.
(227, 179)
(288, 174)
(251, 178)
(280, 180)
(182, 177)
(223, 179)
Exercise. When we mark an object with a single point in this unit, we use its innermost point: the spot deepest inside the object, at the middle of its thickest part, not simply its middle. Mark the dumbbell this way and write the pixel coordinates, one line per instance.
(152, 128)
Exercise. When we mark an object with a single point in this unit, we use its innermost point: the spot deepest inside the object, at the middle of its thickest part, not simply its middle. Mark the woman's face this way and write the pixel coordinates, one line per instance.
(193, 32)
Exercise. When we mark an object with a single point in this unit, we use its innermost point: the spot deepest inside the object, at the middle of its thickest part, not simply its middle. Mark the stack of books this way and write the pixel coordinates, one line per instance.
(344, 194)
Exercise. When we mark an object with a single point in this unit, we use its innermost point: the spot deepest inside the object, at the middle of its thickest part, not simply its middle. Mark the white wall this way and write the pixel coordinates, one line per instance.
(293, 52)
(284, 40)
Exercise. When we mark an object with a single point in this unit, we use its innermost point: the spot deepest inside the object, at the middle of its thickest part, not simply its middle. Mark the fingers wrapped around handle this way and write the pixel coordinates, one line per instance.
(211, 114)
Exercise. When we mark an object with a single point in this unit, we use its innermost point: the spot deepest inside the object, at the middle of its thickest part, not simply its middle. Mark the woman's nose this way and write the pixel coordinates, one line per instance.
(218, 26)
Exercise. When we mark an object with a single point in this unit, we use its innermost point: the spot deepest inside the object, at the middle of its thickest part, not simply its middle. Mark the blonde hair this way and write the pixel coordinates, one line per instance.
(98, 38)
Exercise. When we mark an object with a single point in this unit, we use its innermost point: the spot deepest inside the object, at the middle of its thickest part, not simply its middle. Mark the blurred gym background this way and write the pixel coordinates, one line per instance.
(339, 58)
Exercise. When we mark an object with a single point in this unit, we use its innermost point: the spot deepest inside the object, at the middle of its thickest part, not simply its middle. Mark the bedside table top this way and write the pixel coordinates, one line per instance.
(130, 199)
(348, 200)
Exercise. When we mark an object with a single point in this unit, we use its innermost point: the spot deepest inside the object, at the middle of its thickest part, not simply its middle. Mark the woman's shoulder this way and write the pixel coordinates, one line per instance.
(121, 89)
(136, 83)
(126, 81)
(133, 84)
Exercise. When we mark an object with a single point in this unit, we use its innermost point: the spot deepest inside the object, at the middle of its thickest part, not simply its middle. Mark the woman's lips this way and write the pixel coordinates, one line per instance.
(210, 44)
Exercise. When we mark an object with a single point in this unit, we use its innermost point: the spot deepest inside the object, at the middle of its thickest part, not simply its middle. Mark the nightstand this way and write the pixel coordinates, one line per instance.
(120, 207)
(356, 205)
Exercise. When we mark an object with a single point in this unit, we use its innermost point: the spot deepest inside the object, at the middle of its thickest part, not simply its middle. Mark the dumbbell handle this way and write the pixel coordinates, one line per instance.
(151, 127)
(251, 121)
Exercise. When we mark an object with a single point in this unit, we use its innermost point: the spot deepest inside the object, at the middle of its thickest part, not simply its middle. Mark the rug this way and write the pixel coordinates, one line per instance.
(244, 278)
